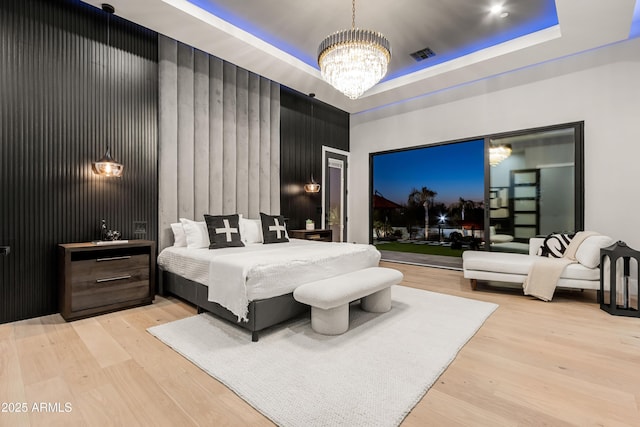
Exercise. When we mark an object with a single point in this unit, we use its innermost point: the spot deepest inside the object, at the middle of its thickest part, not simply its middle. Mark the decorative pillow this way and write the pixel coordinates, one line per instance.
(588, 253)
(224, 231)
(250, 230)
(273, 228)
(196, 233)
(179, 237)
(554, 245)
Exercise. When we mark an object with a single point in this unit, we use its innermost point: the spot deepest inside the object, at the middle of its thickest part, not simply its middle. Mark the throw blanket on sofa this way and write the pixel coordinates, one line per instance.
(544, 273)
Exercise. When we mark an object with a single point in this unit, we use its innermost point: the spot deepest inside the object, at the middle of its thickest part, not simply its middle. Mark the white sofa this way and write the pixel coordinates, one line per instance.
(513, 268)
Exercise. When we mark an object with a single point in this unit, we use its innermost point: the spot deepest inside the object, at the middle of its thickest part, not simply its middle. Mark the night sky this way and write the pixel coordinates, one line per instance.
(452, 170)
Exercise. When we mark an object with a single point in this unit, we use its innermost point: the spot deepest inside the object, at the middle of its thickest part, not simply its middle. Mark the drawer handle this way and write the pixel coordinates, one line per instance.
(111, 279)
(114, 258)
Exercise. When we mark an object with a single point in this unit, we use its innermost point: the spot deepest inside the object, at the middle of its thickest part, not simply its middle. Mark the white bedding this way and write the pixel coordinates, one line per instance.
(236, 276)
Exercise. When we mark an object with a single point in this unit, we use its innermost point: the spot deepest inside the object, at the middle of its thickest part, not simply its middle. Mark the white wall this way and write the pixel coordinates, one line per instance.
(600, 87)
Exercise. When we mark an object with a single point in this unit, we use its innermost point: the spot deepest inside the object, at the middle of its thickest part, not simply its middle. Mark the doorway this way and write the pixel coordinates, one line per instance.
(334, 192)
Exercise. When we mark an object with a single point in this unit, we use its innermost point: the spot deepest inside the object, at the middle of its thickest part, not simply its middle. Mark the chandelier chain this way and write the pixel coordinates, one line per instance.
(353, 14)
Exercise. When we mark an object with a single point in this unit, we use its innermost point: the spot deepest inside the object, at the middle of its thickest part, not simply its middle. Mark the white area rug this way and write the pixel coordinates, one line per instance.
(373, 375)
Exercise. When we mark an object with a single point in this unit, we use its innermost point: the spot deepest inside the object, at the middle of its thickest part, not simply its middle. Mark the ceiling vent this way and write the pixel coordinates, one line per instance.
(423, 54)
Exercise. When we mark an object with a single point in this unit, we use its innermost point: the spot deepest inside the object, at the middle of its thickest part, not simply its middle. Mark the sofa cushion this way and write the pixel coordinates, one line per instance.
(510, 263)
(503, 262)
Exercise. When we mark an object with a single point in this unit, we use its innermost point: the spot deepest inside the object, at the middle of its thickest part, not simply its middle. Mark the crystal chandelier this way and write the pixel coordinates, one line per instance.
(354, 60)
(498, 153)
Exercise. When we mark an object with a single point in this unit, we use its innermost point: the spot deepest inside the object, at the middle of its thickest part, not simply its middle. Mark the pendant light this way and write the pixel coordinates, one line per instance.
(313, 186)
(107, 166)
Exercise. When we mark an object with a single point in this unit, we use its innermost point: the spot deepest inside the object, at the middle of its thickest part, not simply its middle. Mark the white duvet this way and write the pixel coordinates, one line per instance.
(236, 276)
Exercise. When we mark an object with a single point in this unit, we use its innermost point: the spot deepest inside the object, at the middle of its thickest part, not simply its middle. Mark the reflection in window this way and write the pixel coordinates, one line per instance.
(532, 191)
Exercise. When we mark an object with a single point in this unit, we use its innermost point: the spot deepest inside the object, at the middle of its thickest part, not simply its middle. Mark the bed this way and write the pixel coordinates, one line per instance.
(252, 286)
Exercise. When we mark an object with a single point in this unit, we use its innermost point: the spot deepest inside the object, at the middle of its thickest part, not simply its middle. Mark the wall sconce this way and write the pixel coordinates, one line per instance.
(312, 187)
(498, 153)
(106, 166)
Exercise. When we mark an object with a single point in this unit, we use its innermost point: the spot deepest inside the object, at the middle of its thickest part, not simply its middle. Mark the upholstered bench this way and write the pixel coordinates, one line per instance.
(329, 298)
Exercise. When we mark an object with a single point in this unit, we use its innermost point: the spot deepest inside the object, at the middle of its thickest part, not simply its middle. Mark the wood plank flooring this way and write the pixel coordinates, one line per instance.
(564, 363)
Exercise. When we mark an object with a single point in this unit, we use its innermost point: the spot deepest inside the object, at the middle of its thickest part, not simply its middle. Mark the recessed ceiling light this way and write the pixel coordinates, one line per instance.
(496, 9)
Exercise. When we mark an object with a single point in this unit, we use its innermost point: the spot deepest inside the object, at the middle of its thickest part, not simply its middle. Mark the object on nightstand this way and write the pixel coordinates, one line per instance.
(107, 236)
(619, 288)
(310, 225)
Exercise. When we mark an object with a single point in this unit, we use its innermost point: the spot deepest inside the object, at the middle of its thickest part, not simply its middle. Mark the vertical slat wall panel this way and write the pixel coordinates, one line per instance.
(265, 145)
(227, 129)
(65, 94)
(242, 142)
(253, 210)
(306, 125)
(274, 167)
(168, 127)
(186, 143)
(229, 134)
(216, 136)
(201, 129)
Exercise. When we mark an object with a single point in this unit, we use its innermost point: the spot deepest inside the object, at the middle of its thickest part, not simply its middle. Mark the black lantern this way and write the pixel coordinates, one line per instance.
(620, 281)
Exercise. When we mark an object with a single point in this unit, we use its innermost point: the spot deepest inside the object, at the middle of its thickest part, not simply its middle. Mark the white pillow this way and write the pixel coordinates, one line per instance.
(250, 230)
(588, 253)
(179, 236)
(196, 233)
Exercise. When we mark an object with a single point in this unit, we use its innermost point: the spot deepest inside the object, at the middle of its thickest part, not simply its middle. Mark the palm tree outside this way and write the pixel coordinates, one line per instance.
(424, 197)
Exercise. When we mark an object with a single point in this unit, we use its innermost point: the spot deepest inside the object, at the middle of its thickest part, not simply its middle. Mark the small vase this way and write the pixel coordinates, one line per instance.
(311, 226)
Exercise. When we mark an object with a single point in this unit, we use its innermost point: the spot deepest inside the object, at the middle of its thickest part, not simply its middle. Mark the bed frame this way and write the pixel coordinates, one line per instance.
(262, 313)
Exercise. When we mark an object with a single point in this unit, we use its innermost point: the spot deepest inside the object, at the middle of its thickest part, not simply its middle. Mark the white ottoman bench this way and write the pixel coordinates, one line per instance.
(329, 298)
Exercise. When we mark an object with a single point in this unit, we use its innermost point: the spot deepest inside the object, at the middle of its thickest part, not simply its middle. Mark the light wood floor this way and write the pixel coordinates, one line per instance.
(564, 363)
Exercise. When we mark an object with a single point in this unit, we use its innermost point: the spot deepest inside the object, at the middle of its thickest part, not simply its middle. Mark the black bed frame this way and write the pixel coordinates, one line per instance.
(262, 313)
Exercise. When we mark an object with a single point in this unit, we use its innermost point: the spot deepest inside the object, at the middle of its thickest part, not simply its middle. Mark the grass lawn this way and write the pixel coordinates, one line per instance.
(420, 249)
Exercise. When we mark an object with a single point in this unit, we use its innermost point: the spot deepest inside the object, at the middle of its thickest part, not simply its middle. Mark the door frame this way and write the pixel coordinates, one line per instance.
(345, 204)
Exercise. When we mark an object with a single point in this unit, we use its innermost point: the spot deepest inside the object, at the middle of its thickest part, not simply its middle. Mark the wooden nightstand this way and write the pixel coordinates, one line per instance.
(96, 279)
(319, 235)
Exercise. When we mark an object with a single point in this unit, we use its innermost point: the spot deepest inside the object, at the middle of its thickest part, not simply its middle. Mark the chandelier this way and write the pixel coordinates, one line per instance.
(354, 60)
(498, 153)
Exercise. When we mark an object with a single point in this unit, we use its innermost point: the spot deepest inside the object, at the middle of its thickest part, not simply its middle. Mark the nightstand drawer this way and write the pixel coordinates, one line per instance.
(108, 280)
(110, 290)
(105, 267)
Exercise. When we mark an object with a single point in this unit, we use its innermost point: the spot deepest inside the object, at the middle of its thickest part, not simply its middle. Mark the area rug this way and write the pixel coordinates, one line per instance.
(372, 375)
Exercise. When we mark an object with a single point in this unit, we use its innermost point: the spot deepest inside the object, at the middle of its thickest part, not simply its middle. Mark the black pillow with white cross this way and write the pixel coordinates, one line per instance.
(273, 228)
(224, 231)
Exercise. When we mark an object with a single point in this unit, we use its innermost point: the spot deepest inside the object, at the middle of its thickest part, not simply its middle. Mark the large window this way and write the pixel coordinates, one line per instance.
(435, 199)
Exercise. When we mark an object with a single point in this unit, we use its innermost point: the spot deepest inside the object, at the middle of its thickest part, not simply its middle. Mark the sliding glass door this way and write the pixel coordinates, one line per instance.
(535, 185)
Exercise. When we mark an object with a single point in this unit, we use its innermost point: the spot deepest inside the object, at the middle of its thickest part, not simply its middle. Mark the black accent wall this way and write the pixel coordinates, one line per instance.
(65, 94)
(306, 124)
